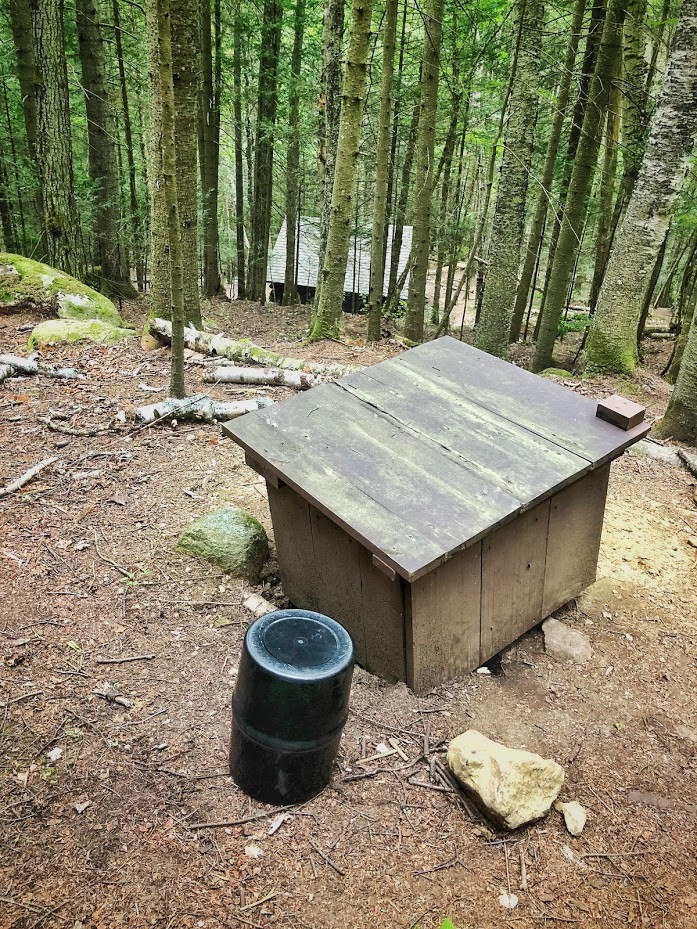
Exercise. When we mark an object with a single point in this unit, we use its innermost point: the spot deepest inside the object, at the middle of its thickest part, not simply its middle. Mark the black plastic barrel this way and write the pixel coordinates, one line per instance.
(290, 705)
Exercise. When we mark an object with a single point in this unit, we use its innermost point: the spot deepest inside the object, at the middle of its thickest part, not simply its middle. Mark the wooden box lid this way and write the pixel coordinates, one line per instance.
(422, 455)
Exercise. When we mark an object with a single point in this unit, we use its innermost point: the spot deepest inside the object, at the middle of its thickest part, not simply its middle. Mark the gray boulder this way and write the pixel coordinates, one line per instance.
(229, 538)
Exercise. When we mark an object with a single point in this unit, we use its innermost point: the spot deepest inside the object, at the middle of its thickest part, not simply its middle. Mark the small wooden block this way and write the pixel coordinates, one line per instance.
(621, 412)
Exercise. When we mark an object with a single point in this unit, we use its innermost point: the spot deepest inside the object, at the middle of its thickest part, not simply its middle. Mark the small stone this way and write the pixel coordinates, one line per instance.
(575, 816)
(512, 787)
(230, 538)
(564, 643)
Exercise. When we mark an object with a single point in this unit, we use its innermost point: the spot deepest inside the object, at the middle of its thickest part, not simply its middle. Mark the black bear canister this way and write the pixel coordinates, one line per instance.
(290, 705)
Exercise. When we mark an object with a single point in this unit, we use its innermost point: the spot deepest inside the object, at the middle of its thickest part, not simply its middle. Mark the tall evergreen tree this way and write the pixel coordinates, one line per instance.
(54, 148)
(425, 146)
(494, 326)
(239, 162)
(264, 149)
(327, 321)
(290, 290)
(209, 142)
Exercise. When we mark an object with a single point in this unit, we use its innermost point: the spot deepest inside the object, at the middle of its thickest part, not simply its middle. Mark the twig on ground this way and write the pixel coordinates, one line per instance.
(21, 698)
(225, 823)
(124, 660)
(29, 475)
(325, 856)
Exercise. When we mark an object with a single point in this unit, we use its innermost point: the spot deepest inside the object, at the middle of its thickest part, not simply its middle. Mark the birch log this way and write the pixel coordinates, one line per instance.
(273, 377)
(29, 475)
(199, 407)
(12, 365)
(246, 351)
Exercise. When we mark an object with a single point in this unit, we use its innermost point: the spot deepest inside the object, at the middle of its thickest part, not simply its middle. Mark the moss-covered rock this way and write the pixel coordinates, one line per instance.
(53, 331)
(229, 538)
(551, 373)
(31, 283)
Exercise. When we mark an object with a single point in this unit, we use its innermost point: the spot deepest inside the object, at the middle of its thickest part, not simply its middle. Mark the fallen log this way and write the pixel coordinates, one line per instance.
(198, 407)
(23, 479)
(12, 365)
(272, 377)
(246, 351)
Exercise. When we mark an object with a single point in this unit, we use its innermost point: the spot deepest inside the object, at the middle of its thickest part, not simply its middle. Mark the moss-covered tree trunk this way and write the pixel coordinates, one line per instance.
(380, 203)
(545, 186)
(264, 149)
(239, 162)
(53, 141)
(327, 320)
(606, 196)
(186, 73)
(680, 421)
(576, 204)
(330, 96)
(612, 341)
(290, 290)
(101, 138)
(494, 325)
(424, 168)
(160, 61)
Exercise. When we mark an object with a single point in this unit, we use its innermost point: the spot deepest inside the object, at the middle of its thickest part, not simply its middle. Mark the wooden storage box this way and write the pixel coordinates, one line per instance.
(438, 505)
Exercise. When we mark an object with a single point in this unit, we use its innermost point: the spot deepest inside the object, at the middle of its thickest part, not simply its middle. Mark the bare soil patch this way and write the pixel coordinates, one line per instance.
(105, 835)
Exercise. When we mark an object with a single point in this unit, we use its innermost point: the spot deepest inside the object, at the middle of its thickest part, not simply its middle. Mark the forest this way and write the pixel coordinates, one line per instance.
(377, 309)
(539, 158)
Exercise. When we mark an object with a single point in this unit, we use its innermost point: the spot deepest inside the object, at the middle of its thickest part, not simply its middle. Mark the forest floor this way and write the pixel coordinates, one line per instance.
(99, 804)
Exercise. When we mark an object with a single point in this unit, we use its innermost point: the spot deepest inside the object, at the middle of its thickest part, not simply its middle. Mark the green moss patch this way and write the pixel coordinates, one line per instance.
(53, 331)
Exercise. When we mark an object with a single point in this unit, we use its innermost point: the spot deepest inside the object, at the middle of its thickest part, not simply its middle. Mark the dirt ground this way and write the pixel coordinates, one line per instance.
(101, 805)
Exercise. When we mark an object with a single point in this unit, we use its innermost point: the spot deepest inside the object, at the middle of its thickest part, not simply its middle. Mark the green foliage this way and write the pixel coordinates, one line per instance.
(579, 322)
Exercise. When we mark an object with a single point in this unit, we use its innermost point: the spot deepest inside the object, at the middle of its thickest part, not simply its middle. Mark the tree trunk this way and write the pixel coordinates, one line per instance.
(21, 24)
(494, 327)
(576, 204)
(290, 290)
(328, 318)
(544, 195)
(603, 236)
(680, 421)
(135, 222)
(380, 201)
(425, 145)
(185, 73)
(210, 151)
(332, 45)
(239, 164)
(53, 143)
(6, 221)
(103, 164)
(160, 62)
(612, 340)
(402, 202)
(160, 274)
(263, 151)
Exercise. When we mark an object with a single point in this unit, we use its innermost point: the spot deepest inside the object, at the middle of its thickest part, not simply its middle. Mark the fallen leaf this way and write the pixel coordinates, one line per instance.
(509, 901)
(55, 754)
(253, 851)
(81, 806)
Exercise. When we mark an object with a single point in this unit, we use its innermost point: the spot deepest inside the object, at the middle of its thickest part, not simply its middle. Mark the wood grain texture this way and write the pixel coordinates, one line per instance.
(573, 543)
(513, 576)
(443, 621)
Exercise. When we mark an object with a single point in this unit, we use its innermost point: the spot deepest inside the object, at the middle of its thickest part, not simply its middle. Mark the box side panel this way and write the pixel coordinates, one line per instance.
(324, 569)
(443, 626)
(575, 525)
(513, 575)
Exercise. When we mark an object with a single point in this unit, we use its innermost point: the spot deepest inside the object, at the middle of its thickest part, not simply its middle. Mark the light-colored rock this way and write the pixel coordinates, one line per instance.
(512, 787)
(646, 448)
(55, 331)
(24, 281)
(565, 643)
(689, 459)
(575, 816)
(230, 538)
